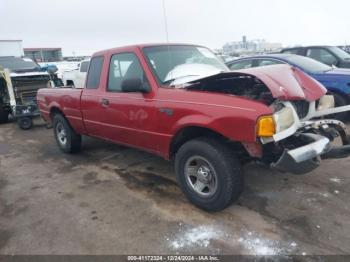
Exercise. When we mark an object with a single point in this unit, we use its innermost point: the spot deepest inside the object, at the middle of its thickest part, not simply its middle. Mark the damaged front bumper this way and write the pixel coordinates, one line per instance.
(316, 137)
(303, 159)
(306, 158)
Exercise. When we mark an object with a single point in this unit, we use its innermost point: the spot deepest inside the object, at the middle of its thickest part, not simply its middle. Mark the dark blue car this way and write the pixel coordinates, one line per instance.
(336, 80)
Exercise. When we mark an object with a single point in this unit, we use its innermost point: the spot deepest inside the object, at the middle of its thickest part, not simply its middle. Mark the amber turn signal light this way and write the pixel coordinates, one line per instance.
(266, 126)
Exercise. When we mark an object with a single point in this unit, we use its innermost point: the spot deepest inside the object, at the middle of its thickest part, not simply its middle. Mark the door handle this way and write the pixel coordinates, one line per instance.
(104, 102)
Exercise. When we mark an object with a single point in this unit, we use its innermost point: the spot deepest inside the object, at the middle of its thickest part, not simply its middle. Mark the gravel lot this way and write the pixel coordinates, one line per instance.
(111, 199)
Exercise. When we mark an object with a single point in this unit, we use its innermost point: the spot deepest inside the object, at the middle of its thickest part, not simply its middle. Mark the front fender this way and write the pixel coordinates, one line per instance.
(233, 127)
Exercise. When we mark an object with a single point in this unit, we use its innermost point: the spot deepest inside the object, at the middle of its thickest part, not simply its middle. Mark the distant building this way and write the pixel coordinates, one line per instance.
(11, 48)
(251, 46)
(44, 54)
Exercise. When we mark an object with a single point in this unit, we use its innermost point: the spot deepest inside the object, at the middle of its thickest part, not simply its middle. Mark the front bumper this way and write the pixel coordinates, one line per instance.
(305, 158)
(313, 140)
(31, 110)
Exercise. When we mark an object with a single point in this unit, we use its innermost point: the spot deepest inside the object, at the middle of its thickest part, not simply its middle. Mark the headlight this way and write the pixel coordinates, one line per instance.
(269, 125)
(266, 126)
(326, 102)
(284, 119)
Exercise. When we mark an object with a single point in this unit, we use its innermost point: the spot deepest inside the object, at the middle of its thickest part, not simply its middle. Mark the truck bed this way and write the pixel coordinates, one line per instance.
(67, 99)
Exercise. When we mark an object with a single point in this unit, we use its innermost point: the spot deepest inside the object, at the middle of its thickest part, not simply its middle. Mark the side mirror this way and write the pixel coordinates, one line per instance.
(133, 85)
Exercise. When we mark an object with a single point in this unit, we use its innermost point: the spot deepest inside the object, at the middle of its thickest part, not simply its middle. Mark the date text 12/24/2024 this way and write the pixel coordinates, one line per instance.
(173, 258)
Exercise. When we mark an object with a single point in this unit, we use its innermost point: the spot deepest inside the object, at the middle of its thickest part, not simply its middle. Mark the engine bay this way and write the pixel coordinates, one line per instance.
(238, 85)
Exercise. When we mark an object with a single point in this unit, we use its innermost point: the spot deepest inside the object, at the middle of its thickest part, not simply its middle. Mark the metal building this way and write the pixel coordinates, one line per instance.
(44, 54)
(11, 48)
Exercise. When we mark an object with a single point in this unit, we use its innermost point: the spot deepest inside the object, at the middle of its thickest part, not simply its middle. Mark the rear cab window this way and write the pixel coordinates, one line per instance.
(94, 74)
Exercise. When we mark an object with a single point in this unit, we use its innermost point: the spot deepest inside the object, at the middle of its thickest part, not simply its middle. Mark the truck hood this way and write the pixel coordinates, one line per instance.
(284, 81)
(288, 83)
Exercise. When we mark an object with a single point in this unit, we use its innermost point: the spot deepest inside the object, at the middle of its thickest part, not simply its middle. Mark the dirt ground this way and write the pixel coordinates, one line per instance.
(111, 199)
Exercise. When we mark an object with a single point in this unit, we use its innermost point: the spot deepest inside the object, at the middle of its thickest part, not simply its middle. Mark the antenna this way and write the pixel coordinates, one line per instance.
(167, 36)
(165, 21)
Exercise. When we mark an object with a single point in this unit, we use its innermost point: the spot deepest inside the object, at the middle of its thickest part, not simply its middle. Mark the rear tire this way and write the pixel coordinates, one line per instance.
(209, 173)
(25, 123)
(67, 139)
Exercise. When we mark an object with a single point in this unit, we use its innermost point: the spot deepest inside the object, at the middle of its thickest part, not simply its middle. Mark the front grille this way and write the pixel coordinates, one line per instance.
(26, 87)
(28, 98)
(302, 108)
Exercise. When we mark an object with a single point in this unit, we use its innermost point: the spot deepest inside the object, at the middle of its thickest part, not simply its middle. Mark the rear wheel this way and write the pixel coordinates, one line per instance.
(25, 123)
(209, 173)
(66, 138)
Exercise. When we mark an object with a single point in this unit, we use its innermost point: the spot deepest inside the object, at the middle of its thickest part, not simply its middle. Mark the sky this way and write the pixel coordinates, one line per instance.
(82, 27)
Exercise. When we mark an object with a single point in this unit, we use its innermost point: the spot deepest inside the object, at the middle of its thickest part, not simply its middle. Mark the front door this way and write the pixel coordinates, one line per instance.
(129, 117)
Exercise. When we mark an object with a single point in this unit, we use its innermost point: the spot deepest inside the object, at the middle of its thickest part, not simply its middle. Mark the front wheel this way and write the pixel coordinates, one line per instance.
(67, 139)
(209, 174)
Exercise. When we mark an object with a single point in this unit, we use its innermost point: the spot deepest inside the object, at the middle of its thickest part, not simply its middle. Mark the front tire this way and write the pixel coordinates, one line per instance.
(209, 173)
(67, 139)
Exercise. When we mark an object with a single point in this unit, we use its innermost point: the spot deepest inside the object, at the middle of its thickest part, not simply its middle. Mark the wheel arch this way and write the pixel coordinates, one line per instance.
(70, 82)
(188, 133)
(55, 110)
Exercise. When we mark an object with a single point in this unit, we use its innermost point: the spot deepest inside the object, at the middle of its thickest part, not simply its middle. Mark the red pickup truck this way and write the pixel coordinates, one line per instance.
(181, 102)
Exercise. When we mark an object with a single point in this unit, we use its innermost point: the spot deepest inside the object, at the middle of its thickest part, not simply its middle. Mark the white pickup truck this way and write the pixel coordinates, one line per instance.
(77, 76)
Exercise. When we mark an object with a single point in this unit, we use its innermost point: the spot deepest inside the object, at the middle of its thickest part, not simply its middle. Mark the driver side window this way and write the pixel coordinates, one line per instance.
(322, 55)
(124, 66)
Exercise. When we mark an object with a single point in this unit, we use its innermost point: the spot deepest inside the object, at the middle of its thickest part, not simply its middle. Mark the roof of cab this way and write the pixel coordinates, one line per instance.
(139, 46)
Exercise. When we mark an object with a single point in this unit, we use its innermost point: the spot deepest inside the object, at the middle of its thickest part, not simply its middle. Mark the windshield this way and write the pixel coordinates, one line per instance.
(181, 61)
(308, 64)
(340, 53)
(18, 64)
